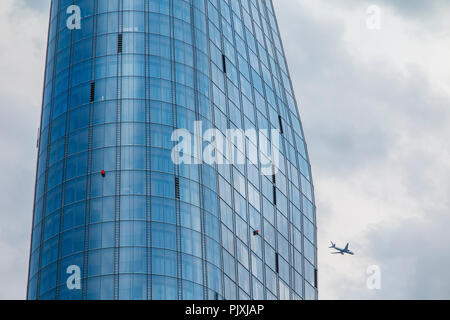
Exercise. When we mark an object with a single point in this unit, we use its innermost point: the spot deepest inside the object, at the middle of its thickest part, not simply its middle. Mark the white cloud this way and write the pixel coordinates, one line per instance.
(22, 51)
(374, 105)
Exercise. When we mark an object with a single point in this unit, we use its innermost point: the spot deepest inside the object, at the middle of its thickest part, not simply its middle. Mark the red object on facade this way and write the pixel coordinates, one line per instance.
(256, 232)
(103, 173)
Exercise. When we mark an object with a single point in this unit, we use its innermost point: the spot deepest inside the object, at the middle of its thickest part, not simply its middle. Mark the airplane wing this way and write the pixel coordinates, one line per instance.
(346, 247)
(336, 252)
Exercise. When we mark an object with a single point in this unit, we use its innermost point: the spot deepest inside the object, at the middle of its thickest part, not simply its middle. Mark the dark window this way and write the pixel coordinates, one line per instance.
(277, 263)
(224, 63)
(119, 43)
(274, 195)
(92, 91)
(177, 188)
(280, 121)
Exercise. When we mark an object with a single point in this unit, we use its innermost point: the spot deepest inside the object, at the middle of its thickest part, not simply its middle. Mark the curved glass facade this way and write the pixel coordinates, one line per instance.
(110, 201)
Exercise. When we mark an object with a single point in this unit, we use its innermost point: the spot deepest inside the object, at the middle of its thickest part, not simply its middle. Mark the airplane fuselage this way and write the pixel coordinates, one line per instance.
(342, 251)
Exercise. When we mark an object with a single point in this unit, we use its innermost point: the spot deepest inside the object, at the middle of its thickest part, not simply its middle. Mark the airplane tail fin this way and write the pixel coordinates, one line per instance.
(332, 245)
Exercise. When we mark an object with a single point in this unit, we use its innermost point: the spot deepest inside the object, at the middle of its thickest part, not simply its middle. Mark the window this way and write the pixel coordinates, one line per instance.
(92, 95)
(224, 64)
(119, 43)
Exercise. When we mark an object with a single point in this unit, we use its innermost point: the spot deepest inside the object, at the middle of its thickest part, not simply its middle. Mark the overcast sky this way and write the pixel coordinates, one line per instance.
(375, 109)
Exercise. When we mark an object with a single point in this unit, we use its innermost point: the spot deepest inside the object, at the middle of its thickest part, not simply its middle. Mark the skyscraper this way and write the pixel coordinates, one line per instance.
(115, 215)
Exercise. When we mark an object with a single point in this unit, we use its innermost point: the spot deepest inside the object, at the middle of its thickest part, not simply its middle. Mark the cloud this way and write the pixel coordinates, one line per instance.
(413, 256)
(38, 5)
(375, 114)
(355, 110)
(410, 9)
(415, 8)
(22, 64)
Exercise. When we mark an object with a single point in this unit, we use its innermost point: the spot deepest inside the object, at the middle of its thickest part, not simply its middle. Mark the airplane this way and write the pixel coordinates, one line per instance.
(340, 251)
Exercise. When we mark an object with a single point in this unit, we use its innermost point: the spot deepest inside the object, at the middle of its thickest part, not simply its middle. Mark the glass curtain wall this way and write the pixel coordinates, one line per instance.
(110, 201)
